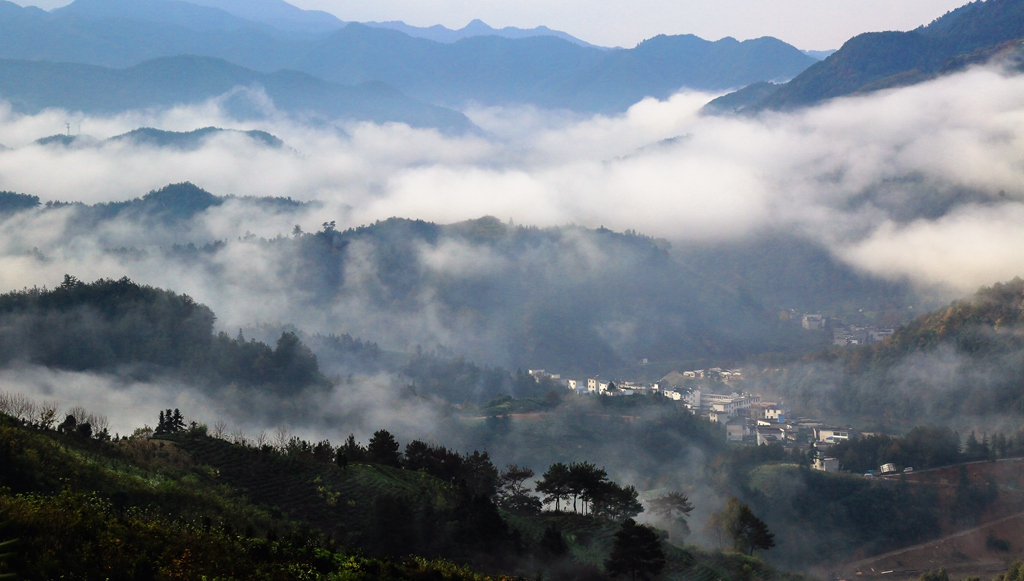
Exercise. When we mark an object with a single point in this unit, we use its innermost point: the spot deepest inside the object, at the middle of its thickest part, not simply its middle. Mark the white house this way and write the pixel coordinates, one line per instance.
(766, 436)
(830, 465)
(813, 322)
(832, 435)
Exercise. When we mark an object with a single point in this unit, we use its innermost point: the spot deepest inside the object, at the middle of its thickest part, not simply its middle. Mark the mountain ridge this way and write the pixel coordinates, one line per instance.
(545, 70)
(32, 86)
(872, 61)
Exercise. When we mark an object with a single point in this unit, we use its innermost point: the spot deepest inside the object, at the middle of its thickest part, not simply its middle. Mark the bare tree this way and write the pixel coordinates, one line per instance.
(78, 412)
(48, 413)
(238, 437)
(281, 438)
(21, 407)
(100, 423)
(219, 429)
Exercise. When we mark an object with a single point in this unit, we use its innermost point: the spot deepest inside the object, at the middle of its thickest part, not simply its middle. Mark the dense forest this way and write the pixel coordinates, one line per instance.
(118, 325)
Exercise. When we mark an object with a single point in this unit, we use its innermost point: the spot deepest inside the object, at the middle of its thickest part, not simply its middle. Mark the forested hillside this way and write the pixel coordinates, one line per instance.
(179, 503)
(965, 359)
(972, 34)
(121, 326)
(571, 299)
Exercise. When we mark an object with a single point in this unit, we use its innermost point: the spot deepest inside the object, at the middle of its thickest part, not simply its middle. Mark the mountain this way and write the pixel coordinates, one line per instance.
(172, 12)
(477, 27)
(544, 70)
(819, 54)
(962, 360)
(278, 14)
(538, 299)
(95, 32)
(660, 66)
(32, 86)
(148, 136)
(972, 34)
(190, 140)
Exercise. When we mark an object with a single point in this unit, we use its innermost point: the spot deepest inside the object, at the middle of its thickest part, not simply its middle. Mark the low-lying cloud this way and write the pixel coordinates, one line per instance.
(921, 182)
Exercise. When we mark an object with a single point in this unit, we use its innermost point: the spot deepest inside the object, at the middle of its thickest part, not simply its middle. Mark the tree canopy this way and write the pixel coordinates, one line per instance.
(637, 552)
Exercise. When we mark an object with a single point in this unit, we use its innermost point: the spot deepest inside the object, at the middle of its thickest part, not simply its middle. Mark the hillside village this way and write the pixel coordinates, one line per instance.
(844, 334)
(745, 416)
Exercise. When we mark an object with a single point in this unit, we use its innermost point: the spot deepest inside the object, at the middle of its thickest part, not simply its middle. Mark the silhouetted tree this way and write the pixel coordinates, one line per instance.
(617, 502)
(353, 450)
(673, 508)
(383, 449)
(513, 494)
(68, 426)
(748, 532)
(554, 484)
(170, 422)
(586, 482)
(637, 552)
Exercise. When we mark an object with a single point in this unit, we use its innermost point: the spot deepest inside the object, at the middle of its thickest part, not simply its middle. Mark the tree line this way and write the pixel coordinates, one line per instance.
(110, 325)
(925, 447)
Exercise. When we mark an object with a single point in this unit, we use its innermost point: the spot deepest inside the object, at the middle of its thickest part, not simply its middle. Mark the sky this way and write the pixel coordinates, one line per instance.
(807, 24)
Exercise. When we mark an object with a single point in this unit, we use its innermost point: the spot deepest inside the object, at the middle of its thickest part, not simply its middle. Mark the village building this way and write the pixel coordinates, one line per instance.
(830, 465)
(832, 435)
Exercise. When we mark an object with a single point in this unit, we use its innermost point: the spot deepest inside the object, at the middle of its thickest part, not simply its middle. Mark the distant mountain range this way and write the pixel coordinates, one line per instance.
(972, 34)
(477, 27)
(148, 136)
(475, 64)
(32, 86)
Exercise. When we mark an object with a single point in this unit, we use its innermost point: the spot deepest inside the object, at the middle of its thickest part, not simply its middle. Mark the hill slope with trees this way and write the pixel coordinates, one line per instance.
(964, 359)
(971, 34)
(180, 503)
(117, 325)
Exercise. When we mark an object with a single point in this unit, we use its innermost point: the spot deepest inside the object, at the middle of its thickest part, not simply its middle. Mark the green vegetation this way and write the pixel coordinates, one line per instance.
(1014, 573)
(747, 532)
(817, 517)
(113, 324)
(673, 510)
(922, 447)
(906, 378)
(971, 34)
(636, 552)
(182, 505)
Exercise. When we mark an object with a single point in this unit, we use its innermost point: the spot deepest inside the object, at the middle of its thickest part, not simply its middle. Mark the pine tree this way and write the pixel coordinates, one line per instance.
(750, 533)
(673, 508)
(637, 552)
(554, 484)
(383, 449)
